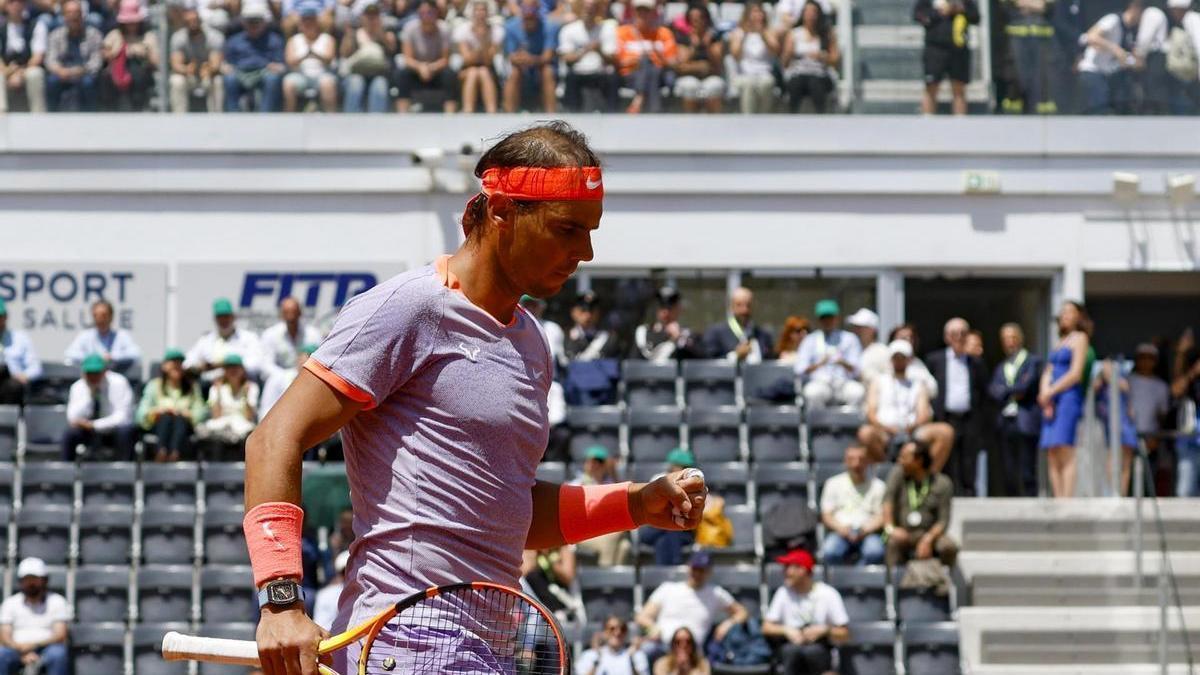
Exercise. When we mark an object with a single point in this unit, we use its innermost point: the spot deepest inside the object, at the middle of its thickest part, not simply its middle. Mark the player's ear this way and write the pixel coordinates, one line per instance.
(501, 212)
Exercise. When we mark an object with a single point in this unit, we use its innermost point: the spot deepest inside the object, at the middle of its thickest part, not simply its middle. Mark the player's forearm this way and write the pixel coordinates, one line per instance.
(544, 531)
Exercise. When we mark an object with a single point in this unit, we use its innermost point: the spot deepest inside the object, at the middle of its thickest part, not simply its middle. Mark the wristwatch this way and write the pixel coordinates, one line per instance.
(280, 593)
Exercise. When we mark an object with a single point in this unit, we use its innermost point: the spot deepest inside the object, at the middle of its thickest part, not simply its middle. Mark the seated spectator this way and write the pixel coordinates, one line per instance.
(73, 60)
(795, 329)
(715, 529)
(946, 53)
(554, 332)
(478, 41)
(684, 656)
(755, 48)
(284, 340)
(254, 61)
(828, 361)
(646, 55)
(808, 614)
(426, 47)
(209, 352)
(281, 378)
(232, 404)
(1148, 394)
(588, 47)
(171, 407)
(215, 14)
(898, 409)
(326, 604)
(1186, 388)
(309, 55)
(916, 509)
(33, 625)
(808, 55)
(1184, 81)
(116, 345)
(875, 359)
(599, 468)
(665, 339)
(290, 12)
(694, 604)
(368, 53)
(852, 511)
(611, 653)
(196, 60)
(1104, 70)
(876, 367)
(21, 67)
(586, 341)
(19, 362)
(700, 85)
(131, 60)
(738, 338)
(788, 13)
(549, 573)
(99, 411)
(530, 42)
(1014, 387)
(669, 544)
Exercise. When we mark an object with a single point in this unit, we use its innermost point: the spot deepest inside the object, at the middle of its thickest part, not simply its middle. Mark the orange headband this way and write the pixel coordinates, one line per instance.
(574, 184)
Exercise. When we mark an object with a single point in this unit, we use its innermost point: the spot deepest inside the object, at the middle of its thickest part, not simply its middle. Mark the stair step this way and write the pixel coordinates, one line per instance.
(1078, 647)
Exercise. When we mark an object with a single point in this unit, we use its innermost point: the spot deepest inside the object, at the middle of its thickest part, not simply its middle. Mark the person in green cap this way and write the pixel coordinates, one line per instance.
(282, 378)
(283, 341)
(171, 407)
(99, 411)
(738, 339)
(233, 406)
(600, 468)
(19, 362)
(206, 356)
(828, 361)
(669, 544)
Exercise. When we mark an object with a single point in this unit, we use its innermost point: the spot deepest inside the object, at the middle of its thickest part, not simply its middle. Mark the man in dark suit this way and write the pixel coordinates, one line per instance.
(962, 392)
(1014, 387)
(737, 338)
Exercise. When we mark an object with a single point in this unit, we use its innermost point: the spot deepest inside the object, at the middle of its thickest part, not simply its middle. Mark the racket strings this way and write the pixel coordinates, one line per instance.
(471, 631)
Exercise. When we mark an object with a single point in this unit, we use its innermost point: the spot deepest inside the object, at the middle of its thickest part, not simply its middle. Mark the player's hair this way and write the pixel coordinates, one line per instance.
(546, 145)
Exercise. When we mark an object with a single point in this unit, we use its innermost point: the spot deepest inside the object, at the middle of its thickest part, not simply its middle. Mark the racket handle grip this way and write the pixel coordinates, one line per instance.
(180, 647)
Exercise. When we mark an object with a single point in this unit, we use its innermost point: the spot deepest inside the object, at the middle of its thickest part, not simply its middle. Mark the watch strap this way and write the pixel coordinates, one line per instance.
(264, 593)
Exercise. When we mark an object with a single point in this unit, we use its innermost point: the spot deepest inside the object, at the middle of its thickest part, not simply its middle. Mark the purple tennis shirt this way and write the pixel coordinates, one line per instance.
(442, 460)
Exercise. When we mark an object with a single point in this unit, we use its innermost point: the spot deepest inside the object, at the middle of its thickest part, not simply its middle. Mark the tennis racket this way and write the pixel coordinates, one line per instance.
(476, 627)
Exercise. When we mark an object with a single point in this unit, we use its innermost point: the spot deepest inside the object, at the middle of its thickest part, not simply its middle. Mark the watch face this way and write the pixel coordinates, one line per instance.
(282, 594)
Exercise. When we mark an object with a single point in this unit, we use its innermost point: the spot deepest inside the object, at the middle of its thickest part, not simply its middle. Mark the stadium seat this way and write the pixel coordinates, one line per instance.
(9, 421)
(714, 434)
(147, 649)
(919, 605)
(653, 432)
(830, 431)
(164, 593)
(931, 648)
(743, 581)
(644, 472)
(224, 484)
(102, 594)
(774, 433)
(594, 426)
(653, 576)
(44, 427)
(54, 384)
(105, 535)
(709, 383)
(871, 649)
(648, 385)
(7, 478)
(224, 541)
(44, 532)
(227, 594)
(5, 517)
(57, 578)
(108, 484)
(863, 589)
(745, 534)
(731, 480)
(169, 484)
(776, 481)
(168, 535)
(552, 472)
(98, 648)
(838, 420)
(232, 631)
(48, 484)
(607, 591)
(768, 383)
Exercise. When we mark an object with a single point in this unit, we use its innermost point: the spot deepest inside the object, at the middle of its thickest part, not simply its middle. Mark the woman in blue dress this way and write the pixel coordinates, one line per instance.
(1061, 397)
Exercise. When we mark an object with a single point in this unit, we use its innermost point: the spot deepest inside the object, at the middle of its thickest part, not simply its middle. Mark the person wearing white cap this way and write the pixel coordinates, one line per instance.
(898, 410)
(33, 624)
(325, 607)
(875, 358)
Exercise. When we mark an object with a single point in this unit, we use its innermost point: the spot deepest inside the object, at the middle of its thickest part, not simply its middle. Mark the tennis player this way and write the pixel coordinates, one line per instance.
(438, 381)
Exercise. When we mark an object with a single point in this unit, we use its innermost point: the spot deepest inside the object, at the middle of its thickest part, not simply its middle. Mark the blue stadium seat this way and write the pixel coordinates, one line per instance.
(7, 478)
(98, 648)
(774, 433)
(731, 480)
(919, 605)
(170, 484)
(224, 541)
(164, 593)
(743, 581)
(653, 432)
(168, 535)
(594, 426)
(232, 631)
(102, 594)
(552, 472)
(227, 594)
(776, 481)
(147, 649)
(768, 383)
(105, 535)
(108, 484)
(224, 484)
(48, 484)
(709, 383)
(44, 427)
(10, 416)
(44, 532)
(648, 385)
(871, 649)
(931, 648)
(607, 590)
(714, 434)
(863, 589)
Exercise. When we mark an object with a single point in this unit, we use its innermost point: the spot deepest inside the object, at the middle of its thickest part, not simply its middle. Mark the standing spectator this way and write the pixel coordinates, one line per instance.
(809, 54)
(368, 53)
(210, 350)
(254, 61)
(479, 40)
(962, 391)
(600, 469)
(73, 60)
(22, 69)
(1102, 377)
(946, 54)
(739, 339)
(232, 403)
(1186, 388)
(898, 409)
(171, 407)
(1030, 33)
(586, 341)
(325, 607)
(554, 332)
(196, 64)
(131, 57)
(281, 378)
(1061, 397)
(684, 656)
(974, 345)
(1149, 395)
(283, 341)
(669, 544)
(19, 362)
(808, 614)
(530, 42)
(99, 411)
(852, 511)
(755, 49)
(33, 624)
(426, 47)
(664, 339)
(916, 509)
(1067, 17)
(646, 55)
(795, 329)
(694, 604)
(117, 346)
(700, 85)
(611, 653)
(1150, 48)
(1183, 52)
(588, 47)
(875, 354)
(828, 361)
(309, 55)
(1104, 70)
(1014, 387)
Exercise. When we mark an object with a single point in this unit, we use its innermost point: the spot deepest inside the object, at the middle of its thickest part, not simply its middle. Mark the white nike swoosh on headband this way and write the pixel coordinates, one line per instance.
(593, 184)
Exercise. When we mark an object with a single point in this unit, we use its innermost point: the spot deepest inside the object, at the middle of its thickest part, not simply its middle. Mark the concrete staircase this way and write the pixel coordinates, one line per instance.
(1051, 587)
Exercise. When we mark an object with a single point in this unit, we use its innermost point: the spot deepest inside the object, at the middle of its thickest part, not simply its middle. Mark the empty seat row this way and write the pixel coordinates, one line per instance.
(115, 484)
(705, 383)
(106, 648)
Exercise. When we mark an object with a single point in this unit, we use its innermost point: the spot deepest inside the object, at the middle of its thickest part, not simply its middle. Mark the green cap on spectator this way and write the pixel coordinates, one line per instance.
(681, 457)
(222, 306)
(232, 360)
(93, 363)
(827, 307)
(310, 348)
(3, 309)
(173, 354)
(597, 452)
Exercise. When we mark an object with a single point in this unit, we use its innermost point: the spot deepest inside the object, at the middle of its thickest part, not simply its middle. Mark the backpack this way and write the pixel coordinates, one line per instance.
(1181, 56)
(744, 645)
